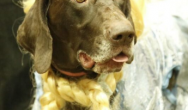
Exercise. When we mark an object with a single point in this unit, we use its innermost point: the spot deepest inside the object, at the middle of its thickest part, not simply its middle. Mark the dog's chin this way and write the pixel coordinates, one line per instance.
(107, 67)
(113, 64)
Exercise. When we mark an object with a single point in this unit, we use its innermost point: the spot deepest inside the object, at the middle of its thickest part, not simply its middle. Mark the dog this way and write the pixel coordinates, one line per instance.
(79, 47)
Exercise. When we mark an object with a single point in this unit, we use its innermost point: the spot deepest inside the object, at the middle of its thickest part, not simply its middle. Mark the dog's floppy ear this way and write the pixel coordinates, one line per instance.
(130, 5)
(34, 36)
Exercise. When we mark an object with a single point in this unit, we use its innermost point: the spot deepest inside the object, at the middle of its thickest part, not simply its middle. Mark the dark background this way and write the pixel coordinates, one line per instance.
(15, 81)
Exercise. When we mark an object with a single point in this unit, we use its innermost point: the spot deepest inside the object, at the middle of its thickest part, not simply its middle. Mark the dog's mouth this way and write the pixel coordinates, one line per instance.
(113, 64)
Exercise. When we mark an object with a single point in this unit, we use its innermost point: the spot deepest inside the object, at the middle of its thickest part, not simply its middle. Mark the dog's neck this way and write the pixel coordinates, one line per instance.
(71, 74)
(113, 102)
(76, 74)
(103, 84)
(112, 94)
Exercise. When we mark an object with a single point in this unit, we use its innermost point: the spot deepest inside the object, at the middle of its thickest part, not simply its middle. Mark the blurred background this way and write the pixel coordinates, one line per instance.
(157, 79)
(15, 81)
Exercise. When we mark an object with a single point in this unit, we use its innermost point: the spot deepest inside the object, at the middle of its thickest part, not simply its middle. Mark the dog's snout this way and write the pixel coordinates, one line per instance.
(121, 33)
(124, 36)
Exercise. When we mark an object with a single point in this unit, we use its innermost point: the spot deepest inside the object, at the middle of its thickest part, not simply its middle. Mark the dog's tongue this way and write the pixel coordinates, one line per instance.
(120, 58)
(86, 61)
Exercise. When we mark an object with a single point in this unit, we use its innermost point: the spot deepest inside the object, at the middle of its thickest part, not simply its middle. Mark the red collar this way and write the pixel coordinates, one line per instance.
(78, 74)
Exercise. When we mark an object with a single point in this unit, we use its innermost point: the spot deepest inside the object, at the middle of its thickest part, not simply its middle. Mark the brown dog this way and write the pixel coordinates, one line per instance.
(78, 38)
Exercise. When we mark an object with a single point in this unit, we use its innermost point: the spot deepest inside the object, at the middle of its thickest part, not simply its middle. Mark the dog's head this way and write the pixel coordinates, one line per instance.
(79, 35)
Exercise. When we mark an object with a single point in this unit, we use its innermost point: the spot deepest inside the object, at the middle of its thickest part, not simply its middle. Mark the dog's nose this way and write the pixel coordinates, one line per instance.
(121, 33)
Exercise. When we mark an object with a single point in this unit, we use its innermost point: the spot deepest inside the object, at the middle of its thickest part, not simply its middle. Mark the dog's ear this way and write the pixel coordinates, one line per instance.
(34, 36)
(133, 24)
(128, 13)
(131, 19)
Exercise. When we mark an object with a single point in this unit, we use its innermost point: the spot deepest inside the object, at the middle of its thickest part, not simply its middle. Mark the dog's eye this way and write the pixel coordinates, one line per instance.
(80, 1)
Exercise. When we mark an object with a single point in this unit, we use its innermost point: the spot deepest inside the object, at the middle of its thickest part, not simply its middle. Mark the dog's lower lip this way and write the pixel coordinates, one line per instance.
(86, 61)
(109, 65)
